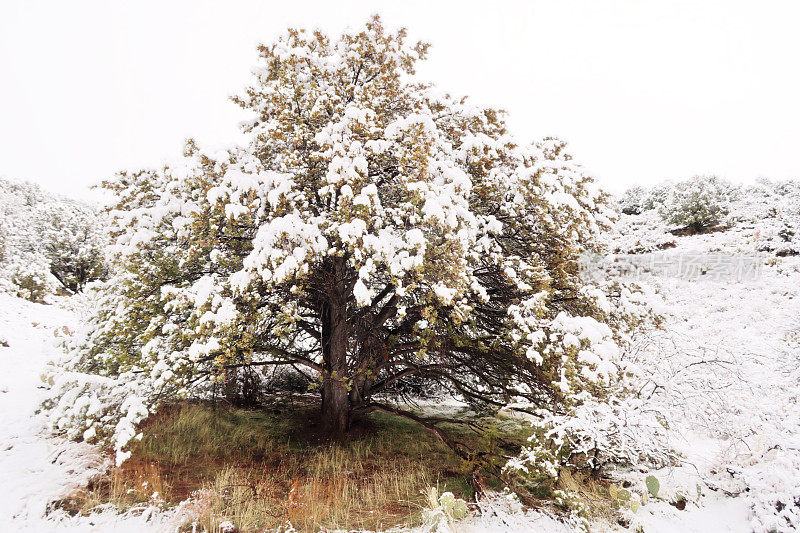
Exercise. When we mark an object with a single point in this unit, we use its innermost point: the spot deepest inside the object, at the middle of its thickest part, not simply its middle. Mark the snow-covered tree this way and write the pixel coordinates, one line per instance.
(47, 242)
(72, 241)
(373, 230)
(633, 201)
(698, 203)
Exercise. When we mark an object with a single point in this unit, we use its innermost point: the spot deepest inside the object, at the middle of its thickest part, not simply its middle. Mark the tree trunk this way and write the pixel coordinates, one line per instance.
(335, 398)
(335, 407)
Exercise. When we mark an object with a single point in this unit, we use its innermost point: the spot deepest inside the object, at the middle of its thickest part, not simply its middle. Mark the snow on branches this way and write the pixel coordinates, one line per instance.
(372, 230)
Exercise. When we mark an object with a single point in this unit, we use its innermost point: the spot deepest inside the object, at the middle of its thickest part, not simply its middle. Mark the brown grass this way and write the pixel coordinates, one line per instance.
(266, 470)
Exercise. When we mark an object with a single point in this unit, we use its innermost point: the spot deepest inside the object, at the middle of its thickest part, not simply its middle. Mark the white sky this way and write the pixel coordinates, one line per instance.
(642, 90)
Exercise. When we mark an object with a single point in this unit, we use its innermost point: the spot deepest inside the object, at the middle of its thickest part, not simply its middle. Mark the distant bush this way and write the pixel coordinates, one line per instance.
(699, 203)
(638, 200)
(633, 201)
(30, 287)
(47, 242)
(657, 196)
(73, 244)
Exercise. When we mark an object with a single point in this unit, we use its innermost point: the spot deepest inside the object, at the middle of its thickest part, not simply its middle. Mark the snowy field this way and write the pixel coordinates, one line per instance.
(724, 366)
(38, 469)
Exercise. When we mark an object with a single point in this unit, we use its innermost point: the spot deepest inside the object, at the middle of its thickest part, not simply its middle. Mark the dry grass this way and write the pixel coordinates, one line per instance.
(265, 470)
(594, 493)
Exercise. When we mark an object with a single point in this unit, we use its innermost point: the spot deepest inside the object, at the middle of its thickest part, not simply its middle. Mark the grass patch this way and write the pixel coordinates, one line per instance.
(265, 469)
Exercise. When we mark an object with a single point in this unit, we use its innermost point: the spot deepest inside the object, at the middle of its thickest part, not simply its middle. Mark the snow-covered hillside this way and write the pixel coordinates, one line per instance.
(723, 370)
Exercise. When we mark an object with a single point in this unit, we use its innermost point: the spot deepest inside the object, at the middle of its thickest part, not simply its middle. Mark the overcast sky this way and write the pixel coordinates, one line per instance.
(642, 90)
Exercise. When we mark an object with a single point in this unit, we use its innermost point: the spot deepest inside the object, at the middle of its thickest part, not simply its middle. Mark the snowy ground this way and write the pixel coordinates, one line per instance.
(35, 468)
(726, 370)
(725, 366)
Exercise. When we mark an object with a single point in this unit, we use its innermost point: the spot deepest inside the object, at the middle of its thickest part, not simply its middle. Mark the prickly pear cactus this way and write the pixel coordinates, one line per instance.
(652, 485)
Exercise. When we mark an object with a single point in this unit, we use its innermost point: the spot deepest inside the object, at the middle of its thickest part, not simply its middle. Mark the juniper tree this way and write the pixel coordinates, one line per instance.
(72, 242)
(698, 203)
(372, 230)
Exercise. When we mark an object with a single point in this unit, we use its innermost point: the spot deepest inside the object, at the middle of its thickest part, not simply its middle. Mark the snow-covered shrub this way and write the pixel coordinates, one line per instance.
(48, 242)
(633, 201)
(639, 234)
(73, 237)
(657, 195)
(699, 203)
(638, 199)
(32, 286)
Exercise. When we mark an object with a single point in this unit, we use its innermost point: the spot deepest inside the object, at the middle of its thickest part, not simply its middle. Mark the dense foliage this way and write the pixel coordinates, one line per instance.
(698, 203)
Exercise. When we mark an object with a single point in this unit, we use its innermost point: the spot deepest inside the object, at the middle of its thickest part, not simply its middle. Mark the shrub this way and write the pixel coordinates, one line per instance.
(56, 240)
(633, 201)
(699, 203)
(638, 200)
(30, 287)
(72, 241)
